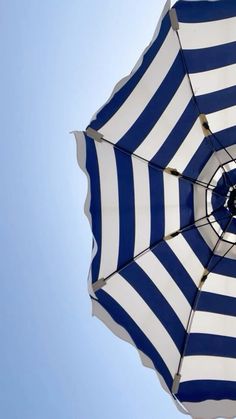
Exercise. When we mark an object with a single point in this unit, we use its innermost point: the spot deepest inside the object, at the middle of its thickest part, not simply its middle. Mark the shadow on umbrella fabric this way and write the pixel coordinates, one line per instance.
(159, 157)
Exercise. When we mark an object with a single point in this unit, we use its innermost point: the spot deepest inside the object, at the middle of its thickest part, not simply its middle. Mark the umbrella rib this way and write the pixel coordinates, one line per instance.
(220, 143)
(221, 237)
(170, 171)
(205, 224)
(222, 257)
(196, 300)
(102, 281)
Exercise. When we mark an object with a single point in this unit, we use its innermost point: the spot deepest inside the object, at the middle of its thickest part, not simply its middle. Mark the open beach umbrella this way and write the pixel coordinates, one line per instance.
(160, 161)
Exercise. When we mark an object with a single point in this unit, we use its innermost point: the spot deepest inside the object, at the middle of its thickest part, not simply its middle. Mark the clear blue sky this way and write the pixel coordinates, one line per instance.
(59, 62)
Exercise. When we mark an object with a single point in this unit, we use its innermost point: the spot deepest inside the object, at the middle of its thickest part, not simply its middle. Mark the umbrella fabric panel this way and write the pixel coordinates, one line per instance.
(124, 88)
(126, 196)
(173, 141)
(143, 290)
(160, 115)
(152, 109)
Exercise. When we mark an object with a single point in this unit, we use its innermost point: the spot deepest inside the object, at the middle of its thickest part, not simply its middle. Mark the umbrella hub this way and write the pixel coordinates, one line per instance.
(232, 202)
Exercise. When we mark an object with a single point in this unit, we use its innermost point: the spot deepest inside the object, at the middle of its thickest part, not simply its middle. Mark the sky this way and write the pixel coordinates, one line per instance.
(60, 60)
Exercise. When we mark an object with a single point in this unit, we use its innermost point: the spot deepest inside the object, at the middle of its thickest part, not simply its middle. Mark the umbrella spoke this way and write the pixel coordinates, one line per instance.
(205, 224)
(198, 293)
(101, 282)
(170, 171)
(224, 148)
(223, 256)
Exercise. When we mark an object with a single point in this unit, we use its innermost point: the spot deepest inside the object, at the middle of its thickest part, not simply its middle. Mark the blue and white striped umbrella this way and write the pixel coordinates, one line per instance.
(159, 157)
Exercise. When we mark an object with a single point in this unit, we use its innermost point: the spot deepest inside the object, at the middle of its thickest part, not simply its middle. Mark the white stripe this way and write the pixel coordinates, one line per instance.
(213, 324)
(143, 316)
(211, 238)
(134, 105)
(166, 285)
(109, 208)
(187, 258)
(214, 80)
(187, 149)
(142, 205)
(230, 166)
(219, 284)
(212, 408)
(209, 169)
(217, 176)
(222, 119)
(157, 136)
(199, 203)
(209, 203)
(208, 368)
(230, 237)
(171, 199)
(207, 34)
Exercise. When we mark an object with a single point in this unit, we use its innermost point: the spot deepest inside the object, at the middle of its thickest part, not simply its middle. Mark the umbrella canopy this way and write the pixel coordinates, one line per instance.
(159, 156)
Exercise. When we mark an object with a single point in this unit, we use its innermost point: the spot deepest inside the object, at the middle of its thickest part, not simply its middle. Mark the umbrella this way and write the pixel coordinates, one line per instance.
(159, 157)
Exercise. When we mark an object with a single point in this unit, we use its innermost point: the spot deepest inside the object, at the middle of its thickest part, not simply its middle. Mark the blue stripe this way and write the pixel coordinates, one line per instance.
(186, 203)
(214, 345)
(176, 270)
(225, 138)
(199, 159)
(215, 303)
(126, 207)
(198, 245)
(223, 215)
(216, 101)
(222, 186)
(119, 97)
(225, 266)
(155, 108)
(95, 203)
(205, 59)
(200, 390)
(156, 205)
(142, 343)
(141, 282)
(177, 135)
(205, 11)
